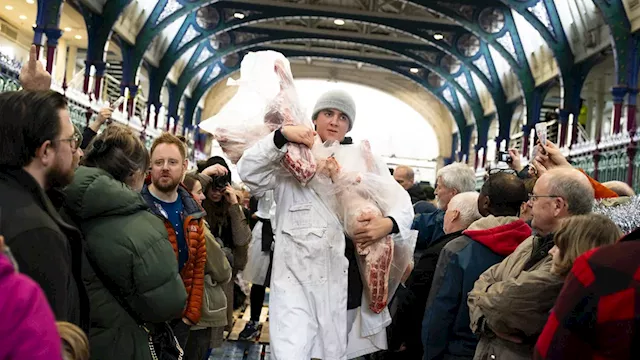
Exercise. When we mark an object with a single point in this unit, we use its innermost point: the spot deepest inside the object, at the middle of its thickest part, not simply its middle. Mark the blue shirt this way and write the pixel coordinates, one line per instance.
(173, 212)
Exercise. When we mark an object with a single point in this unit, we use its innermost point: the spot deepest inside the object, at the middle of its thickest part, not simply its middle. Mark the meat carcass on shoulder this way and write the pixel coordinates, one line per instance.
(285, 110)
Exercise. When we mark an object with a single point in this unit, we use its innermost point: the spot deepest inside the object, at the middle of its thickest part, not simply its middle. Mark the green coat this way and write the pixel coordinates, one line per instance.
(130, 246)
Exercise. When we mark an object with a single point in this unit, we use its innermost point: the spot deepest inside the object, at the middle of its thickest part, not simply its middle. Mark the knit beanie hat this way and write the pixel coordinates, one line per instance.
(339, 100)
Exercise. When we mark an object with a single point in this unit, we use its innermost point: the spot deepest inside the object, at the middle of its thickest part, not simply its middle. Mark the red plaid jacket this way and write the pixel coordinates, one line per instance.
(597, 315)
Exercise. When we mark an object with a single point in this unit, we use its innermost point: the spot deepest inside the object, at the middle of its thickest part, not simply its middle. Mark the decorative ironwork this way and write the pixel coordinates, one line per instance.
(426, 55)
(208, 17)
(10, 64)
(491, 20)
(448, 96)
(466, 11)
(189, 35)
(230, 60)
(469, 45)
(481, 64)
(539, 10)
(221, 40)
(435, 80)
(507, 44)
(214, 73)
(462, 80)
(204, 55)
(450, 63)
(169, 8)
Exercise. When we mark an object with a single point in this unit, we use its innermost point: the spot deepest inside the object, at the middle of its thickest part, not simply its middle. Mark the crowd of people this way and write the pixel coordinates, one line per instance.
(113, 251)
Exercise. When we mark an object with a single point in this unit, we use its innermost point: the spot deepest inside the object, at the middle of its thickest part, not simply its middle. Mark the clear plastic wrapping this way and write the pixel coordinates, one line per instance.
(266, 100)
(369, 190)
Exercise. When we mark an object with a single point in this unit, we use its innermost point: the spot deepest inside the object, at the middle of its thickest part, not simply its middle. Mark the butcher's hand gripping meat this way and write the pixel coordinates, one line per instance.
(298, 160)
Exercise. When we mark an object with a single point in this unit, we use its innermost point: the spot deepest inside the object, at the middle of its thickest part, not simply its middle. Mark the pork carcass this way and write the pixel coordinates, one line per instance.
(374, 260)
(285, 110)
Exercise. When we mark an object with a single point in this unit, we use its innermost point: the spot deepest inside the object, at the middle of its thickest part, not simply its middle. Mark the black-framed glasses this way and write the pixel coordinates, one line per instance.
(533, 197)
(74, 141)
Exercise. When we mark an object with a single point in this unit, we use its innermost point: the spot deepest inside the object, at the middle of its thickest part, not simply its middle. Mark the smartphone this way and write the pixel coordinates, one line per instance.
(504, 157)
(117, 103)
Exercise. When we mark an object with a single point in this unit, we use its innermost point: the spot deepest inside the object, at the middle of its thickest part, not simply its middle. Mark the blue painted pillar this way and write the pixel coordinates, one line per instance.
(526, 134)
(87, 75)
(133, 91)
(618, 92)
(53, 35)
(100, 67)
(199, 138)
(563, 125)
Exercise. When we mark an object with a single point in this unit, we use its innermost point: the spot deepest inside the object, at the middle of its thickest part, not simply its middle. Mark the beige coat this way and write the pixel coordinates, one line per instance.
(217, 274)
(511, 301)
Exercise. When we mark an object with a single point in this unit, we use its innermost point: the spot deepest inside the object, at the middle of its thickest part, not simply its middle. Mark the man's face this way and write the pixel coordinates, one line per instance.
(331, 124)
(545, 208)
(444, 194)
(401, 177)
(59, 173)
(450, 218)
(167, 167)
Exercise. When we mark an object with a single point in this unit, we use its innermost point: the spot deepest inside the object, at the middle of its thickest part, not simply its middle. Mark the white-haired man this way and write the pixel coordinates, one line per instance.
(451, 180)
(462, 211)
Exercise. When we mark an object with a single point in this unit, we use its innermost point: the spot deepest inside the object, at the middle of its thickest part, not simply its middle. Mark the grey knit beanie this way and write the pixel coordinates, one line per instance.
(339, 100)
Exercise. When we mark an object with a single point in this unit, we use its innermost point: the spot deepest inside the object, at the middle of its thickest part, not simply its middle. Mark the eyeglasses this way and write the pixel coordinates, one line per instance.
(74, 141)
(533, 197)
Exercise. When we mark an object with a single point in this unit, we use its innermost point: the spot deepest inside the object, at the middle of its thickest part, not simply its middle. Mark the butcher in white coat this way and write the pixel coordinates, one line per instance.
(310, 282)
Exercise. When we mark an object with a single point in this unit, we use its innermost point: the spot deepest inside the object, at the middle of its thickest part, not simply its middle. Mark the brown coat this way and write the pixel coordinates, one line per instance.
(512, 301)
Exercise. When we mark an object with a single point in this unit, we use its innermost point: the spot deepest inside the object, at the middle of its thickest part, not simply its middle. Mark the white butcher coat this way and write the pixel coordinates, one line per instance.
(308, 299)
(258, 264)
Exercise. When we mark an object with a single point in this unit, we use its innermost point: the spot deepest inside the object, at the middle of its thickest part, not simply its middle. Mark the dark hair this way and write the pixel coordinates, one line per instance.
(506, 192)
(117, 151)
(168, 138)
(27, 120)
(190, 180)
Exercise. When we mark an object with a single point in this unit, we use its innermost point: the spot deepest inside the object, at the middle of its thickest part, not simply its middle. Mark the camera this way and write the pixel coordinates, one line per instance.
(220, 182)
(504, 157)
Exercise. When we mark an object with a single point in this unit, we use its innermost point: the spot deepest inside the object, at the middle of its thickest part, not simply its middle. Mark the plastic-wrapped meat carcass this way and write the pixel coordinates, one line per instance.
(266, 100)
(285, 109)
(354, 199)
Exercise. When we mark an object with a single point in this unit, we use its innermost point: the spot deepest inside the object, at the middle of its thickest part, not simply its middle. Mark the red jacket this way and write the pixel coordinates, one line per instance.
(597, 315)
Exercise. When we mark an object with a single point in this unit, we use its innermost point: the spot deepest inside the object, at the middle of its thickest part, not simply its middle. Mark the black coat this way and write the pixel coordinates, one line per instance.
(417, 194)
(407, 322)
(46, 248)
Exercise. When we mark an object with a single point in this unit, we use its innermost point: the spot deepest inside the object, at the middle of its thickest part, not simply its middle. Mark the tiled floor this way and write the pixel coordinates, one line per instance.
(233, 349)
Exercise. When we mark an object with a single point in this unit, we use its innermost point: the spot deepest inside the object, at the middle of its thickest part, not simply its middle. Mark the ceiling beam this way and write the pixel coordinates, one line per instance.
(405, 40)
(345, 10)
(282, 45)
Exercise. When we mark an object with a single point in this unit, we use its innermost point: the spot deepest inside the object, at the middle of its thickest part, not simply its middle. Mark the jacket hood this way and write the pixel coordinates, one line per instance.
(500, 234)
(95, 193)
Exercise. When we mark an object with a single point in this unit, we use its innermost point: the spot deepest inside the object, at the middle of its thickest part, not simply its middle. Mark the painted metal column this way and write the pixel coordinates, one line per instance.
(87, 76)
(618, 93)
(53, 35)
(133, 91)
(100, 67)
(526, 134)
(632, 148)
(563, 121)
